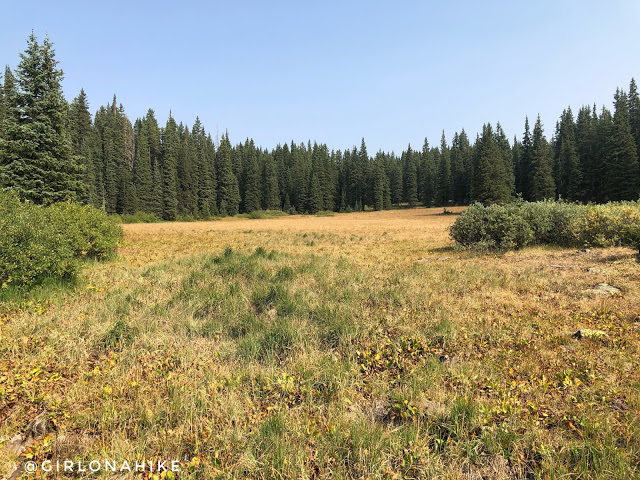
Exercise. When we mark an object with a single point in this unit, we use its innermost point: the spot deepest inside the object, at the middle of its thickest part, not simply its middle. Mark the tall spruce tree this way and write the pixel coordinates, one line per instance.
(2, 105)
(252, 184)
(507, 157)
(228, 193)
(634, 112)
(80, 131)
(169, 155)
(142, 175)
(410, 178)
(586, 143)
(541, 167)
(444, 173)
(428, 177)
(36, 157)
(622, 179)
(205, 168)
(523, 172)
(490, 182)
(566, 167)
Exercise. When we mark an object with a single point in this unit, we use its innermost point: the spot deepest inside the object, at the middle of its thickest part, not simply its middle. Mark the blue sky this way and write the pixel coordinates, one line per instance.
(391, 72)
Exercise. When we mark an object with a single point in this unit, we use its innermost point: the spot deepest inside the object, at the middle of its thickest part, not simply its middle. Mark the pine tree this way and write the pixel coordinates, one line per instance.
(428, 177)
(2, 104)
(541, 168)
(395, 181)
(410, 178)
(186, 173)
(169, 154)
(315, 202)
(444, 173)
(205, 168)
(622, 179)
(591, 172)
(379, 177)
(634, 112)
(36, 158)
(80, 132)
(252, 185)
(142, 176)
(271, 199)
(490, 182)
(523, 172)
(507, 157)
(228, 193)
(567, 172)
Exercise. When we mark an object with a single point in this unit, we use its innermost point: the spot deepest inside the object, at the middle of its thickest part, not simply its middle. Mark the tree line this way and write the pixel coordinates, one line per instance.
(51, 150)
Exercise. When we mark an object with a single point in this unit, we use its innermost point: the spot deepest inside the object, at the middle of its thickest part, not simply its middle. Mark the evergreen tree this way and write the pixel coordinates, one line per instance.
(541, 168)
(271, 199)
(80, 131)
(428, 177)
(205, 168)
(228, 193)
(586, 144)
(315, 202)
(516, 152)
(523, 172)
(490, 182)
(410, 178)
(169, 155)
(36, 158)
(186, 173)
(395, 181)
(622, 179)
(507, 157)
(2, 103)
(142, 176)
(444, 173)
(379, 177)
(604, 150)
(252, 186)
(634, 112)
(567, 171)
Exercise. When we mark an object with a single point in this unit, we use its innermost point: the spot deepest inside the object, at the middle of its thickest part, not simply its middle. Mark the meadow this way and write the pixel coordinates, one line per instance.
(358, 345)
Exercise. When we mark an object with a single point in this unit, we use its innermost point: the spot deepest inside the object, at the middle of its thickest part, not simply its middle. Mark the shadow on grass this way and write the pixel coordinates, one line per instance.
(447, 249)
(13, 298)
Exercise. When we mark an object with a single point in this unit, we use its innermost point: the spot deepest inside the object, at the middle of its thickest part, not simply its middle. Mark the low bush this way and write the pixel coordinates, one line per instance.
(520, 223)
(49, 242)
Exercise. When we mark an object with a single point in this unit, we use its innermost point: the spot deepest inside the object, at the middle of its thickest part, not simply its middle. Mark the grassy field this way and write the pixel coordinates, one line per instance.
(358, 345)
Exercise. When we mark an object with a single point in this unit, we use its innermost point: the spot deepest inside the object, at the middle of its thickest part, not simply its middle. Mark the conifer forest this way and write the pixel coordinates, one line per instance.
(174, 170)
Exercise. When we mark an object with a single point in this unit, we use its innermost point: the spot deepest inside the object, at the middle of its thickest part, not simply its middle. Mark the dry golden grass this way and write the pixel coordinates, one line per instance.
(362, 345)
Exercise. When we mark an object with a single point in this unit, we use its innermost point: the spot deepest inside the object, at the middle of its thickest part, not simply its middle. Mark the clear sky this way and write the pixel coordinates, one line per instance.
(391, 72)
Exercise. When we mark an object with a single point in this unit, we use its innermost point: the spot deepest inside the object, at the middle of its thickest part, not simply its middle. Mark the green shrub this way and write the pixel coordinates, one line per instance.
(49, 242)
(520, 223)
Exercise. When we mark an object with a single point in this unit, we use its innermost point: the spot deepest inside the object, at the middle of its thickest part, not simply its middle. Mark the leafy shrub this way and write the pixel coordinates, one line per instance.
(41, 242)
(548, 223)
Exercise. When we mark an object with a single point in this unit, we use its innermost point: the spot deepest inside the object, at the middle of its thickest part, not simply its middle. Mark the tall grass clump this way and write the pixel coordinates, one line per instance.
(518, 224)
(39, 242)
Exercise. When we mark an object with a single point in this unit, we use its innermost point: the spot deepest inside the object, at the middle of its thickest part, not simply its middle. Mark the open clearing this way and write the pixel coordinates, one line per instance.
(359, 345)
